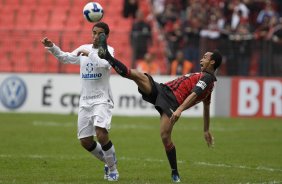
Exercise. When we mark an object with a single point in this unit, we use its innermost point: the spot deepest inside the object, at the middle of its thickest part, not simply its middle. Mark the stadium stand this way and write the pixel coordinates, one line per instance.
(26, 22)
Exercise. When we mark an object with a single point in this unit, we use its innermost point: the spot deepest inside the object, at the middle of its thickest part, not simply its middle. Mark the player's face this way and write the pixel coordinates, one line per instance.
(205, 62)
(95, 35)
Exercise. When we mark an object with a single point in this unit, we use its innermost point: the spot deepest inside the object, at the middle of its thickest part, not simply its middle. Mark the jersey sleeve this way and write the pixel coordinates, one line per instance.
(64, 57)
(101, 62)
(202, 84)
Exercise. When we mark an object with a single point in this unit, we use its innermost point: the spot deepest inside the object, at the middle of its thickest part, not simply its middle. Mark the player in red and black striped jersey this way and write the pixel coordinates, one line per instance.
(173, 97)
(201, 83)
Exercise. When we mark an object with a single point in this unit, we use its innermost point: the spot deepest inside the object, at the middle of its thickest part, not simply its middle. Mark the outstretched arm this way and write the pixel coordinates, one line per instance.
(64, 57)
(185, 105)
(208, 137)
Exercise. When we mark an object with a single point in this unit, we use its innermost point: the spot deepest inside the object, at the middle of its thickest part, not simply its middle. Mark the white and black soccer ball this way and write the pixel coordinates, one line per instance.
(93, 12)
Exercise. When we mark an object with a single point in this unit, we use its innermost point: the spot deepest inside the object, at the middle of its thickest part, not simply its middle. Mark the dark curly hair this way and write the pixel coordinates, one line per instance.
(102, 25)
(216, 56)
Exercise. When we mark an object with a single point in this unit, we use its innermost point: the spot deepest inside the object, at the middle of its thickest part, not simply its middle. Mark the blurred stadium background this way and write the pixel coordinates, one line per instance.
(247, 32)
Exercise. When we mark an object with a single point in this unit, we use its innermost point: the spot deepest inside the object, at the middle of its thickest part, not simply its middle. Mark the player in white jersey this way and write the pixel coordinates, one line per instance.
(96, 102)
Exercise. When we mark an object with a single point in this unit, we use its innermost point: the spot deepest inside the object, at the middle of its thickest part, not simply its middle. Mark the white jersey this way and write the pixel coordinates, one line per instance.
(94, 74)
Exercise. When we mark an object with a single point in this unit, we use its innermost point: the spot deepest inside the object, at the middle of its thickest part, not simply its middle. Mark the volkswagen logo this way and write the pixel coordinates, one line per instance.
(13, 92)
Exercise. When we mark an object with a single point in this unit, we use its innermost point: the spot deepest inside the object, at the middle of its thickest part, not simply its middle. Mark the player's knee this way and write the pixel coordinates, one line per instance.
(102, 135)
(86, 143)
(165, 136)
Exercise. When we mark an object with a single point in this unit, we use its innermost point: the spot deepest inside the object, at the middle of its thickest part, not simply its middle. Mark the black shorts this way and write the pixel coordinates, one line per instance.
(161, 97)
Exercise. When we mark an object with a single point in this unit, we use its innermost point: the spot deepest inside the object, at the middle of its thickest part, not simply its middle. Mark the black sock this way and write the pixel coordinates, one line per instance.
(92, 147)
(171, 155)
(119, 67)
(107, 146)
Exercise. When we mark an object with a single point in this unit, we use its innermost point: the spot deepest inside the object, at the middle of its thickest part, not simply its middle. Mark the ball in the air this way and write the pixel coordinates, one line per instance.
(93, 12)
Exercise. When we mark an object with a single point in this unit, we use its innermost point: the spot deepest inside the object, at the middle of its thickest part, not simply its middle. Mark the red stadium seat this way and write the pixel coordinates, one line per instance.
(40, 18)
(65, 3)
(74, 20)
(28, 3)
(78, 4)
(53, 35)
(58, 18)
(38, 65)
(11, 2)
(20, 62)
(72, 40)
(5, 63)
(52, 64)
(8, 18)
(23, 18)
(50, 3)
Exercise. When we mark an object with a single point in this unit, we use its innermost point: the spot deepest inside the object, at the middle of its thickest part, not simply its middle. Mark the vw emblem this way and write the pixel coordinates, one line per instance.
(13, 92)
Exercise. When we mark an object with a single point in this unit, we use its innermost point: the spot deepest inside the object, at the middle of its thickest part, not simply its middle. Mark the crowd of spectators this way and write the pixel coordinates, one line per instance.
(247, 32)
(240, 29)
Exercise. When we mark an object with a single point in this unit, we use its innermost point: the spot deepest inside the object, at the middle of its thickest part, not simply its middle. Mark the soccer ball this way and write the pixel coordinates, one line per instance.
(93, 12)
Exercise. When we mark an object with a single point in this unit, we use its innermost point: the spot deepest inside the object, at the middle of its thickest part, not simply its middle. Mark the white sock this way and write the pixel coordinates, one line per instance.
(98, 152)
(110, 159)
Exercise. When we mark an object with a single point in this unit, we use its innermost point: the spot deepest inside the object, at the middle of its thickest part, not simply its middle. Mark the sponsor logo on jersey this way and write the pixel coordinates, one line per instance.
(13, 92)
(92, 97)
(89, 67)
(94, 76)
(90, 74)
(201, 84)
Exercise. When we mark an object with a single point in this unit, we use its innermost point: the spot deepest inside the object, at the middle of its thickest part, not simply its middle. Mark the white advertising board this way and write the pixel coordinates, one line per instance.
(59, 93)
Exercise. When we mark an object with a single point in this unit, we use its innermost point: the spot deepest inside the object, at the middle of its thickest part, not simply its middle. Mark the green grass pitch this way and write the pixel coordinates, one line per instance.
(43, 149)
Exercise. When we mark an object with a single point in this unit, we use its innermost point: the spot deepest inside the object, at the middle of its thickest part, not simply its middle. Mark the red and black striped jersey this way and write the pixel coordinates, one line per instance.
(200, 83)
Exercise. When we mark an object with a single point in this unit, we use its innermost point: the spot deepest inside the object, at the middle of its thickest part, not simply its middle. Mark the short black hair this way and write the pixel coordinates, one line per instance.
(216, 56)
(104, 26)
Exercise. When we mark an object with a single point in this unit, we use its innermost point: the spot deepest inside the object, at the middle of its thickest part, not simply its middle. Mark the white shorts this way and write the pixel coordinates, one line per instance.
(99, 115)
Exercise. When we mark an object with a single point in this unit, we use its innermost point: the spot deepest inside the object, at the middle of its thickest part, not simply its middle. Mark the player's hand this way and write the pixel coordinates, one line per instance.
(175, 116)
(83, 53)
(46, 42)
(209, 139)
